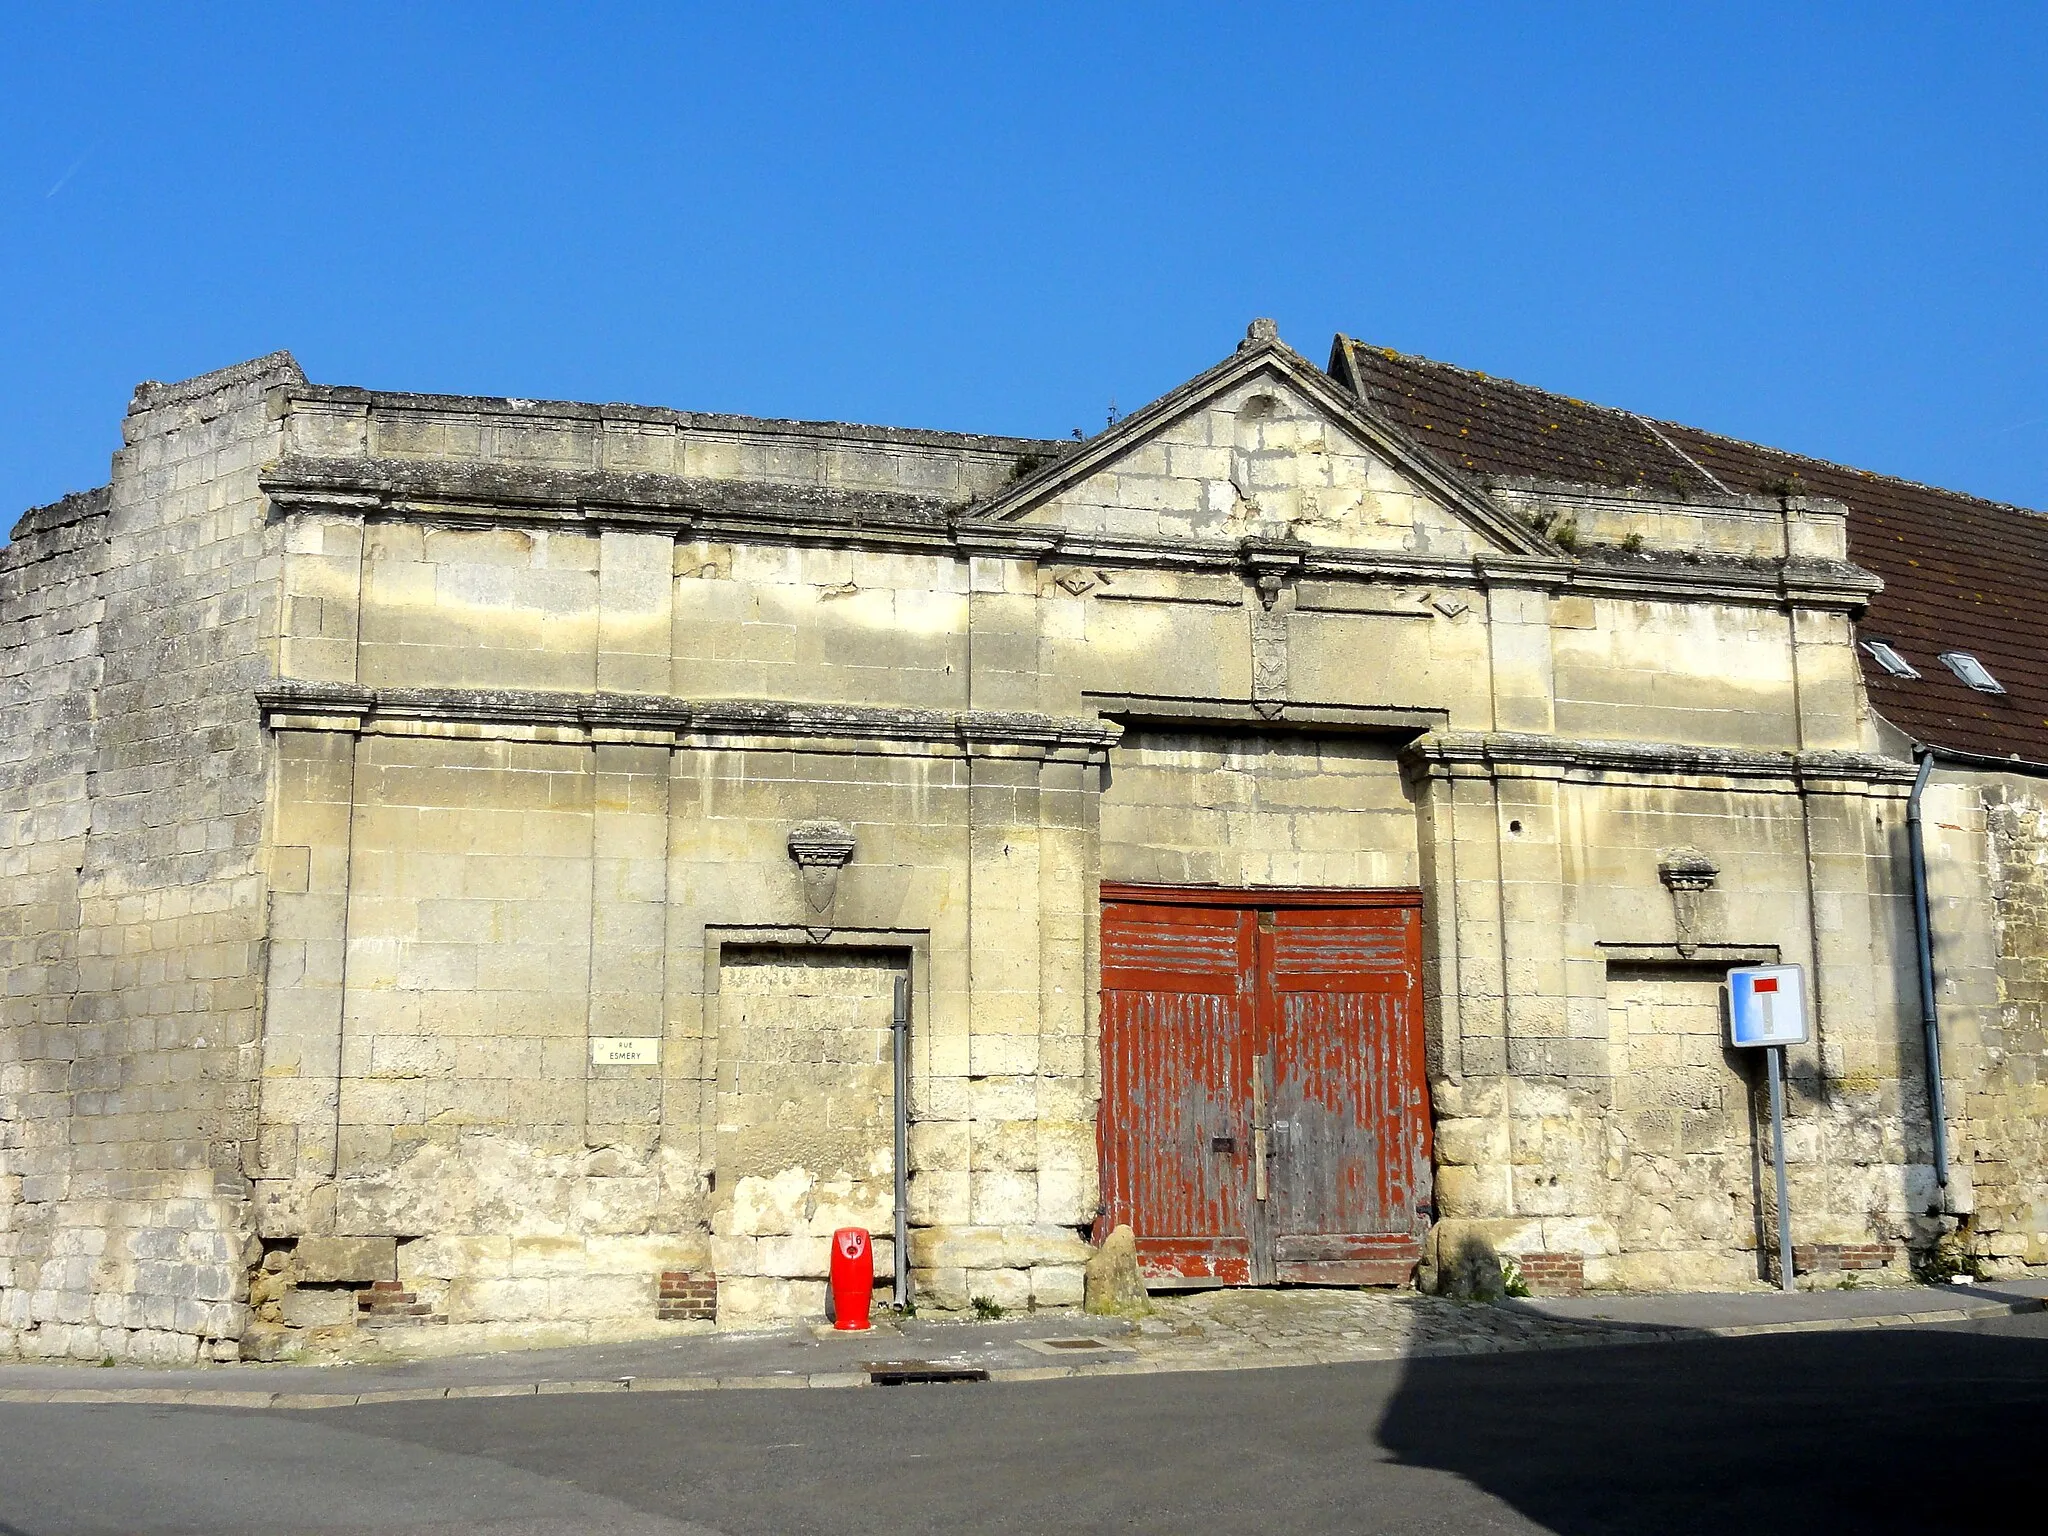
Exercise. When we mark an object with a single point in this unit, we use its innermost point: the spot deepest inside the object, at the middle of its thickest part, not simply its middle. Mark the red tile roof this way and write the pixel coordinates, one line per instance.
(1960, 573)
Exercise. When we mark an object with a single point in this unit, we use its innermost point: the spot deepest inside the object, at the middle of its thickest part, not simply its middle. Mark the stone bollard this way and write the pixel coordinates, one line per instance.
(1111, 1284)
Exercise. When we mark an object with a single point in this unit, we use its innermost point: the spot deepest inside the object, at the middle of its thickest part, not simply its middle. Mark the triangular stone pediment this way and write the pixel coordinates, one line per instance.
(1262, 446)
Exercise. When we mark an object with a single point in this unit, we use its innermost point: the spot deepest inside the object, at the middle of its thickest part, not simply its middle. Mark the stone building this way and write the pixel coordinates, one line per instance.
(470, 865)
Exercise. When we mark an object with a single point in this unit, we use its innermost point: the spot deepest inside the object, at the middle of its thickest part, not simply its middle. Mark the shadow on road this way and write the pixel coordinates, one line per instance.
(1894, 1429)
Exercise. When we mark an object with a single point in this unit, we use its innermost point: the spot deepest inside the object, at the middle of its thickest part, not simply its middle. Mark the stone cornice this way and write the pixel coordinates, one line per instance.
(755, 512)
(1187, 712)
(1808, 582)
(1502, 754)
(657, 719)
(488, 493)
(1615, 953)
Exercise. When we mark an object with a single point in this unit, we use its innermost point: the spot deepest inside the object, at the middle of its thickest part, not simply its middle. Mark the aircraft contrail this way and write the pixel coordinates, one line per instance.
(59, 187)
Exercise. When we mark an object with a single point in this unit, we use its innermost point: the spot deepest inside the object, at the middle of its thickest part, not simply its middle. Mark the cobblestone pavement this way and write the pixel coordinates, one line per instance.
(1307, 1327)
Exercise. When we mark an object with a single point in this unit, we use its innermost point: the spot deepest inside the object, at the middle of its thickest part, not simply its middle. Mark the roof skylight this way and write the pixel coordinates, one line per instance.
(1972, 671)
(1890, 659)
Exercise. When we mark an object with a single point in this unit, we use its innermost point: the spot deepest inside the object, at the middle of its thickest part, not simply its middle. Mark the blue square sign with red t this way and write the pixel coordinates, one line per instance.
(1767, 1005)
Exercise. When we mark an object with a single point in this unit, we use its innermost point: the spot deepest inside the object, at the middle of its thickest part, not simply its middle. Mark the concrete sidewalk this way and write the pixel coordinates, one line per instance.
(1205, 1331)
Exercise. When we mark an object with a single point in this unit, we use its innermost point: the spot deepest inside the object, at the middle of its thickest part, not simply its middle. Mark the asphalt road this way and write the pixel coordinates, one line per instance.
(1928, 1429)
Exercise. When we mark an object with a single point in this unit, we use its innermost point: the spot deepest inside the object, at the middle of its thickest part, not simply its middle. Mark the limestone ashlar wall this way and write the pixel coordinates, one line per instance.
(1630, 521)
(466, 902)
(821, 624)
(1588, 1104)
(485, 907)
(142, 1216)
(49, 680)
(1707, 674)
(1261, 458)
(1751, 675)
(535, 608)
(567, 437)
(509, 902)
(1189, 808)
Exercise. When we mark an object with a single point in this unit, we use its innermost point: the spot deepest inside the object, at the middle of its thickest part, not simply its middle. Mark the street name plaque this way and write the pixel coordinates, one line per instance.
(624, 1051)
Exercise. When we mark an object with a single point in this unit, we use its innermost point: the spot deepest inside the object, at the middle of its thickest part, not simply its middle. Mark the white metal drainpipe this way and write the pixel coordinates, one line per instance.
(899, 1034)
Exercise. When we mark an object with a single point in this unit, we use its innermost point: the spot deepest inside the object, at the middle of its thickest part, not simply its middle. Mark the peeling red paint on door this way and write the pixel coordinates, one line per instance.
(1341, 995)
(1274, 1028)
(1176, 1062)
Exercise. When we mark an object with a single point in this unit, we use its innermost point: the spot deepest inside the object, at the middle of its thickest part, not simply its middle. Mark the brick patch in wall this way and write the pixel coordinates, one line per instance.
(1553, 1274)
(687, 1298)
(388, 1301)
(1809, 1258)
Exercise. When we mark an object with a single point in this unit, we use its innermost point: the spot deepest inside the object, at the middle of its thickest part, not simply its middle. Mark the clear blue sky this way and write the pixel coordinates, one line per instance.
(1819, 227)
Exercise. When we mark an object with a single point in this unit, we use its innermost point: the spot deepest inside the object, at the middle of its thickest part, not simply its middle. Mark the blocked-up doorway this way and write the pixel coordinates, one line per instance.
(1688, 1195)
(1264, 1113)
(803, 1128)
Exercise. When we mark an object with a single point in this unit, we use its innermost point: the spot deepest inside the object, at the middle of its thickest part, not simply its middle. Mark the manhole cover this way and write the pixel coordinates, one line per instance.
(909, 1373)
(1064, 1346)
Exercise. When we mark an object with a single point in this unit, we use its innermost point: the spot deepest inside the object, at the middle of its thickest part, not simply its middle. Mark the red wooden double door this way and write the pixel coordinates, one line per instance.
(1264, 1109)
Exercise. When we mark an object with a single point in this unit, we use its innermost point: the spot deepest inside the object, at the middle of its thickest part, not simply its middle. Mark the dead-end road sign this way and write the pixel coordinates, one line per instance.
(1767, 1011)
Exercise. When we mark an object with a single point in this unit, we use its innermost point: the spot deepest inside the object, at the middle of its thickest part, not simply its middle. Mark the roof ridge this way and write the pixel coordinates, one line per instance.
(1852, 469)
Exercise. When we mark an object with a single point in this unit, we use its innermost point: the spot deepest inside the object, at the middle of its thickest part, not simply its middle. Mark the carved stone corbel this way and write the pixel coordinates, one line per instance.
(1273, 565)
(1688, 874)
(821, 849)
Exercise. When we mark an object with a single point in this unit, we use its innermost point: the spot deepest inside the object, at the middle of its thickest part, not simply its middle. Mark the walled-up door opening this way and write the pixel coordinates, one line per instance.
(1688, 1204)
(803, 1138)
(1264, 1110)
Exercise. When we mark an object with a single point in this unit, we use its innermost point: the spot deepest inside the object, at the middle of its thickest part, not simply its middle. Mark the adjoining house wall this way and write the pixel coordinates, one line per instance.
(2007, 1125)
(131, 1205)
(1987, 835)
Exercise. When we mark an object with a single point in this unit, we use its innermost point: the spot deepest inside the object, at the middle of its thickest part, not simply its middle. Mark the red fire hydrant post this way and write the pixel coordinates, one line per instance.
(853, 1278)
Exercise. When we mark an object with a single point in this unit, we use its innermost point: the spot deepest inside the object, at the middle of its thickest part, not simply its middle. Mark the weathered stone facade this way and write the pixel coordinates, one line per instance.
(137, 623)
(1991, 932)
(460, 854)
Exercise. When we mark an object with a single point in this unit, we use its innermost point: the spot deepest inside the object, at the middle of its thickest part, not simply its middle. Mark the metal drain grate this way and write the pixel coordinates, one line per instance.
(909, 1373)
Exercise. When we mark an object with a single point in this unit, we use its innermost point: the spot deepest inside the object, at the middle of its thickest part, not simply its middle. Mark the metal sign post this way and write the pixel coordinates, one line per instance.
(1775, 1056)
(1767, 1010)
